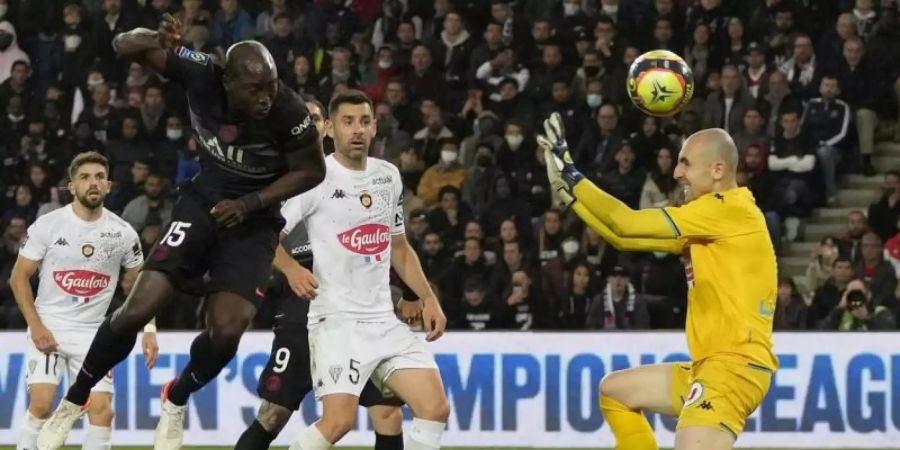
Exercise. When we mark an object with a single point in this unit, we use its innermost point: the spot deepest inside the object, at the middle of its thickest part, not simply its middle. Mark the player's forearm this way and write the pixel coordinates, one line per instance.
(21, 288)
(408, 267)
(291, 184)
(626, 244)
(622, 220)
(136, 42)
(283, 261)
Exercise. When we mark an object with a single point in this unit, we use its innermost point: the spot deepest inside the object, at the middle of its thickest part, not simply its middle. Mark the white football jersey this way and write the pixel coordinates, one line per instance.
(80, 265)
(351, 217)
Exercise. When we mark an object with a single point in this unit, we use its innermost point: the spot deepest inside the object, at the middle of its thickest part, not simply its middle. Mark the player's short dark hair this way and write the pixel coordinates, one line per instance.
(90, 157)
(352, 97)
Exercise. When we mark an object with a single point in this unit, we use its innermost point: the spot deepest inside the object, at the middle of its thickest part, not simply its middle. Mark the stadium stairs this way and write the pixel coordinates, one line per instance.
(856, 192)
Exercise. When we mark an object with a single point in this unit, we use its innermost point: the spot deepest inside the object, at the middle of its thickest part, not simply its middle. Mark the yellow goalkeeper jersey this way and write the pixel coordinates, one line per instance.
(732, 277)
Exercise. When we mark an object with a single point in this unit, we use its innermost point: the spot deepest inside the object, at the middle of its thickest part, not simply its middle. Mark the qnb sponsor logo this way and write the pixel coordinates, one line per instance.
(81, 283)
(368, 239)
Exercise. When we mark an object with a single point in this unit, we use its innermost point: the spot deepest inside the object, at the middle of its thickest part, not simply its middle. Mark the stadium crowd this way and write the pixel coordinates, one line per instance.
(804, 87)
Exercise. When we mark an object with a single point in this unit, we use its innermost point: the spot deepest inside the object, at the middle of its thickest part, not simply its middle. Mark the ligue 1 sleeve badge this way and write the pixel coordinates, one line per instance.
(87, 250)
(366, 200)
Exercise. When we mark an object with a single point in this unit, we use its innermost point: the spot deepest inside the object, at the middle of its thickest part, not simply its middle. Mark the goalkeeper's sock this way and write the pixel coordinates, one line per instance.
(631, 429)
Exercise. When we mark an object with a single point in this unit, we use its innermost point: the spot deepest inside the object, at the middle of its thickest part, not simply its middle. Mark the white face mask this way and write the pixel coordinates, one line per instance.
(71, 41)
(594, 100)
(570, 248)
(384, 64)
(3, 9)
(514, 141)
(94, 82)
(660, 255)
(448, 156)
(173, 134)
(611, 10)
(571, 9)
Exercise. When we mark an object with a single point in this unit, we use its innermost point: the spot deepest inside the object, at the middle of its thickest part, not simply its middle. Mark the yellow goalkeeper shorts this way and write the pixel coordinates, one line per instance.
(718, 393)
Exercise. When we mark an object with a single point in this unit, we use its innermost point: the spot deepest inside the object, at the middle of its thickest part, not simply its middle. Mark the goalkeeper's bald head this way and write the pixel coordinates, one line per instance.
(708, 162)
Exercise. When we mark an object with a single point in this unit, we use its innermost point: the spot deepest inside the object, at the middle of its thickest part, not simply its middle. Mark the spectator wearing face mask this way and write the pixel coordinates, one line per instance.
(620, 306)
(857, 312)
(446, 172)
(485, 133)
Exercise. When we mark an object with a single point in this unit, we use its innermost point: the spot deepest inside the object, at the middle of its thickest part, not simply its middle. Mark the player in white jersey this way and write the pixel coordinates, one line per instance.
(355, 223)
(79, 250)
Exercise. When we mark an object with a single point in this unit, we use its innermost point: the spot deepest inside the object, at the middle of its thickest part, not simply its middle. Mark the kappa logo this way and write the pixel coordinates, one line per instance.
(335, 372)
(694, 394)
(338, 193)
(61, 242)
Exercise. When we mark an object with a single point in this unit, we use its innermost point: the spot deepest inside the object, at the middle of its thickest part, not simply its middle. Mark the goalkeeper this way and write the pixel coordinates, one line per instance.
(732, 282)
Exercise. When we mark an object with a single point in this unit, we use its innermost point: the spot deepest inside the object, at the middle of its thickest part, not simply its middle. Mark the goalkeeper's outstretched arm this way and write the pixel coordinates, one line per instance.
(619, 218)
(623, 243)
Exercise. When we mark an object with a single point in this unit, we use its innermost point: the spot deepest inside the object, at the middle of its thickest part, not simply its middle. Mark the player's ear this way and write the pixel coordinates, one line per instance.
(329, 128)
(71, 187)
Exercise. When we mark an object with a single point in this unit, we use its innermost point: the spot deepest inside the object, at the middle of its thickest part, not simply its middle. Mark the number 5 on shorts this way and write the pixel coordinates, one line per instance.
(176, 234)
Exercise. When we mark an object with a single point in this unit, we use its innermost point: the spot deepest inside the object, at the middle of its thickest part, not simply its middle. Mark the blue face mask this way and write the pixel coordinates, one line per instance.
(594, 100)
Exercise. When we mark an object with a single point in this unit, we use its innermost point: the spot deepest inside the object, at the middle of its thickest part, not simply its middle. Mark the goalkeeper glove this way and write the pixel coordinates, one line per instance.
(556, 137)
(560, 195)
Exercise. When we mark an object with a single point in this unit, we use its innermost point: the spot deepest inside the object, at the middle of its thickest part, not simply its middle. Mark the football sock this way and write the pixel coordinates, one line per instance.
(97, 438)
(388, 442)
(207, 360)
(31, 427)
(631, 429)
(425, 435)
(311, 439)
(255, 437)
(108, 349)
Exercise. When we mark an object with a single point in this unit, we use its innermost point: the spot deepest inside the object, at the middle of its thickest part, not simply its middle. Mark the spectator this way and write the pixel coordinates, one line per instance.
(450, 217)
(862, 87)
(756, 75)
(424, 80)
(647, 142)
(663, 36)
(10, 53)
(505, 204)
(192, 12)
(390, 141)
(866, 17)
(790, 309)
(417, 226)
(488, 50)
(479, 179)
(101, 117)
(486, 131)
(477, 311)
(521, 303)
(543, 75)
(831, 44)
(340, 73)
(22, 205)
(14, 233)
(230, 24)
(281, 41)
(428, 141)
(777, 100)
(876, 272)
(129, 146)
(469, 263)
(127, 189)
(453, 50)
(725, 108)
(112, 20)
(753, 131)
(802, 69)
(513, 106)
(266, 20)
(851, 244)
(857, 312)
(76, 39)
(821, 264)
(188, 163)
(597, 148)
(826, 121)
(17, 85)
(42, 187)
(435, 260)
(792, 162)
(572, 311)
(664, 281)
(395, 14)
(549, 239)
(779, 35)
(626, 181)
(512, 260)
(446, 172)
(301, 78)
(659, 188)
(408, 37)
(829, 295)
(620, 306)
(700, 54)
(492, 73)
(884, 213)
(736, 44)
(153, 125)
(138, 211)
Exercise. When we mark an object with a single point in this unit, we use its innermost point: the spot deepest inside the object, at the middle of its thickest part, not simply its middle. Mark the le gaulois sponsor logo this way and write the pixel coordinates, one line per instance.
(368, 239)
(81, 283)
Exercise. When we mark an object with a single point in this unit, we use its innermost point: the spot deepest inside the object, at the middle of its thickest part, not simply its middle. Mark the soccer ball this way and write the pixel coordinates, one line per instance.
(660, 83)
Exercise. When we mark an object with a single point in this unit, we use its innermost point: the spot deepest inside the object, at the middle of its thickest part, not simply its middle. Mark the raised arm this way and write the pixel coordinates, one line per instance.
(674, 246)
(148, 47)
